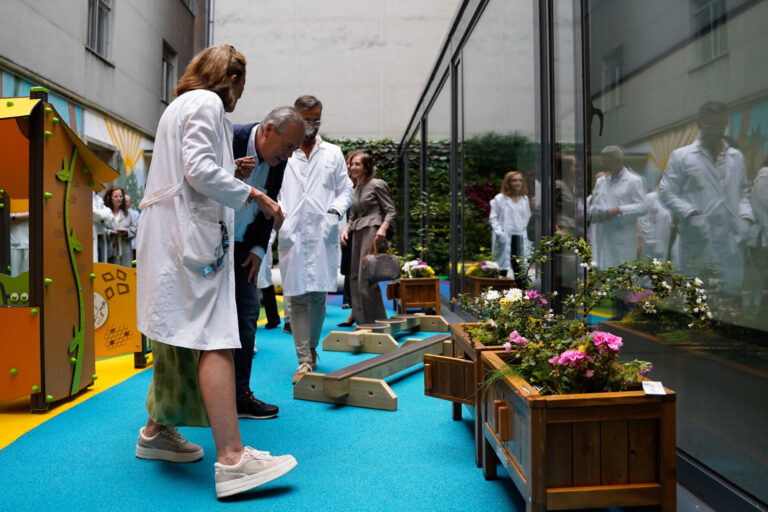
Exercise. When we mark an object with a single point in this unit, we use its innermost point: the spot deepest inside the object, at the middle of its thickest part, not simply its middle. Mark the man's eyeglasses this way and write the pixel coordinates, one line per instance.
(314, 122)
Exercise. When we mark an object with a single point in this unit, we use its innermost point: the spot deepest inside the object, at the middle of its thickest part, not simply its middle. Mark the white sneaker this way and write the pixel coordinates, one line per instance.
(168, 444)
(304, 368)
(254, 469)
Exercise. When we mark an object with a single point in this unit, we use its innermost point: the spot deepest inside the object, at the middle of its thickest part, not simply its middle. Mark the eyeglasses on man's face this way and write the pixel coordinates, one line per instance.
(314, 122)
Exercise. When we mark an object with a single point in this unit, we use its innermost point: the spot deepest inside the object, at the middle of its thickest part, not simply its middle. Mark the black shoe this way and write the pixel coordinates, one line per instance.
(272, 325)
(287, 328)
(347, 324)
(248, 406)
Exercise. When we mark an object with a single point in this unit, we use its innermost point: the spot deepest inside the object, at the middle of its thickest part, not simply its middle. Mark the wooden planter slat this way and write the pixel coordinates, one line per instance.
(415, 292)
(474, 286)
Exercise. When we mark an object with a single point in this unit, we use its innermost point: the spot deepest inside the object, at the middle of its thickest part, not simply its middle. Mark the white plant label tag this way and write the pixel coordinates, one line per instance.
(652, 387)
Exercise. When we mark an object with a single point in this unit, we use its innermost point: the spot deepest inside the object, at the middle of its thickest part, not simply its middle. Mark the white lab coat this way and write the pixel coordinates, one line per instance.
(308, 241)
(507, 218)
(714, 238)
(190, 189)
(655, 228)
(103, 220)
(615, 239)
(264, 279)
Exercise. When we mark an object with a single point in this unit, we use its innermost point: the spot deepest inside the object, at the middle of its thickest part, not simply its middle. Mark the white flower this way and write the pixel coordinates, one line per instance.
(554, 293)
(698, 281)
(492, 295)
(513, 294)
(698, 300)
(491, 322)
(690, 325)
(656, 262)
(585, 265)
(594, 263)
(695, 310)
(709, 314)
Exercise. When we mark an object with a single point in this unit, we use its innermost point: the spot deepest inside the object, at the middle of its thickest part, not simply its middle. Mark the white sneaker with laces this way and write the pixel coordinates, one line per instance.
(168, 444)
(254, 469)
(304, 368)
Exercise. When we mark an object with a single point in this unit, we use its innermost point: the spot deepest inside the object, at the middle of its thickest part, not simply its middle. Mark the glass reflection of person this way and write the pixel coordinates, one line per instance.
(757, 244)
(617, 201)
(654, 230)
(510, 213)
(705, 187)
(19, 243)
(565, 193)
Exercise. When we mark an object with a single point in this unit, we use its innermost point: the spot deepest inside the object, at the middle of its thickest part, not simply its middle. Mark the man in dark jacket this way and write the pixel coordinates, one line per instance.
(260, 151)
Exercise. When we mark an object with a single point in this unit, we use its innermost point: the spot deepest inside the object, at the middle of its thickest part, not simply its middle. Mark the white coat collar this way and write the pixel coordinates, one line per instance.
(299, 153)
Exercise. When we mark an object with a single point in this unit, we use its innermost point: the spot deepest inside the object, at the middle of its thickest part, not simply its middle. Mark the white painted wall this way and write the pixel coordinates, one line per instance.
(366, 60)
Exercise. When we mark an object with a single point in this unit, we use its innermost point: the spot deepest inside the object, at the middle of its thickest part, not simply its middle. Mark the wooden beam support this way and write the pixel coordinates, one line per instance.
(363, 392)
(359, 341)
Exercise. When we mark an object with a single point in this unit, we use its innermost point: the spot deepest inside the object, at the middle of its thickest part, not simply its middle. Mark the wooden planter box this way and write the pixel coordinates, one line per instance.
(458, 378)
(580, 451)
(474, 286)
(415, 292)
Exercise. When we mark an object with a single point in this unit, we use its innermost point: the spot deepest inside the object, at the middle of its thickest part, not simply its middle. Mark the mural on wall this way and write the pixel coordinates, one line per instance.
(130, 147)
(663, 145)
(749, 132)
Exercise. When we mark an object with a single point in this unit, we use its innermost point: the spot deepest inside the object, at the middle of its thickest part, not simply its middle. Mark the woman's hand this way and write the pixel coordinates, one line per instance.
(244, 166)
(267, 205)
(381, 233)
(344, 238)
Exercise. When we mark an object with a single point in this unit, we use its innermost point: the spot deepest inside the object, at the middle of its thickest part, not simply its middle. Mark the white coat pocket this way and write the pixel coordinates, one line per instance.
(332, 235)
(202, 244)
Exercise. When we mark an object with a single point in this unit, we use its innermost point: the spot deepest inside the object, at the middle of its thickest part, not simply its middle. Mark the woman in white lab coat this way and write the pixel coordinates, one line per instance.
(510, 213)
(185, 276)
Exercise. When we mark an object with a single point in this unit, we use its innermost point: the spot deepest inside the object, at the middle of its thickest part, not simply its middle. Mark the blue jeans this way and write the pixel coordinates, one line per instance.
(247, 300)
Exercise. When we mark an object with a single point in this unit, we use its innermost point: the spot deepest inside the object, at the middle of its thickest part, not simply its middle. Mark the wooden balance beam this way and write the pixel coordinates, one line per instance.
(377, 338)
(361, 384)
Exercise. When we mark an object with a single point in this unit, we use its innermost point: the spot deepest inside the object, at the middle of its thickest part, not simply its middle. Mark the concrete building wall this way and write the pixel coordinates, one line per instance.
(47, 40)
(365, 60)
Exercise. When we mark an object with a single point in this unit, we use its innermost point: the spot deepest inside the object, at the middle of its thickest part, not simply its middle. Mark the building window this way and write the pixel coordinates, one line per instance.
(99, 21)
(169, 74)
(613, 64)
(709, 29)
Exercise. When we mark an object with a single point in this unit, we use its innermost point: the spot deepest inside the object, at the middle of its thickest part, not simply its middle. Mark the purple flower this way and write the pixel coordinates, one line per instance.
(589, 373)
(508, 347)
(533, 295)
(605, 339)
(646, 370)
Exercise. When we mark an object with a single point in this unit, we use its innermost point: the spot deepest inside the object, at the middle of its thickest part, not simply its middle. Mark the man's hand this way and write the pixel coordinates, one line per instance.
(267, 205)
(344, 238)
(254, 262)
(244, 166)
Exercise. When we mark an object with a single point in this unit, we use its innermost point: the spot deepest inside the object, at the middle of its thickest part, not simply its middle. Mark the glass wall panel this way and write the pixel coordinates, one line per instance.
(498, 135)
(678, 172)
(410, 192)
(435, 203)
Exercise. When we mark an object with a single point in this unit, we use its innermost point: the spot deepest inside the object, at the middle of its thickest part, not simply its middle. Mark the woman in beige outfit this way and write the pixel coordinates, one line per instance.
(371, 213)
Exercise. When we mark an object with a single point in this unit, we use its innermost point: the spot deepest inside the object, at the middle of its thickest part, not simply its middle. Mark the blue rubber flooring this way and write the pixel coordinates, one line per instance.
(414, 458)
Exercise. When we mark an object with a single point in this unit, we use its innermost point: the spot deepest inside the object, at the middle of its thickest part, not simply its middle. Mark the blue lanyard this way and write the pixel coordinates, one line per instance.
(219, 253)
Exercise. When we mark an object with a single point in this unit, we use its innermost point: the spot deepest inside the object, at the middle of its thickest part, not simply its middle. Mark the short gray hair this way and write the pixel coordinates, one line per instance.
(613, 151)
(281, 117)
(307, 102)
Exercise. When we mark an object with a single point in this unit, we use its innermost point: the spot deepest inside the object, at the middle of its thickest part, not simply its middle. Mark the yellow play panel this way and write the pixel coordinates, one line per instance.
(17, 420)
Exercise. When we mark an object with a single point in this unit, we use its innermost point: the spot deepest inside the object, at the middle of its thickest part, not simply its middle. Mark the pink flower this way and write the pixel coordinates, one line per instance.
(508, 347)
(605, 339)
(589, 373)
(535, 296)
(572, 358)
(514, 337)
(646, 370)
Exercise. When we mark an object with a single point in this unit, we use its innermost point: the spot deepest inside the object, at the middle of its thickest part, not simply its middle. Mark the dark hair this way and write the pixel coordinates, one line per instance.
(211, 69)
(712, 107)
(108, 199)
(307, 102)
(365, 158)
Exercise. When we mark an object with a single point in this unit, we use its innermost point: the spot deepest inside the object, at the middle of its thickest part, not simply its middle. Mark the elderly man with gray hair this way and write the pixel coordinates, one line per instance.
(617, 202)
(260, 151)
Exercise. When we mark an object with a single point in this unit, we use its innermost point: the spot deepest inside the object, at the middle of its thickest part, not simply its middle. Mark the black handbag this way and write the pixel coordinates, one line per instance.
(378, 266)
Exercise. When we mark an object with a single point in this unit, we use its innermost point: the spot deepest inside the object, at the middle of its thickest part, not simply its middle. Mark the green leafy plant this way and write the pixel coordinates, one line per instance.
(556, 352)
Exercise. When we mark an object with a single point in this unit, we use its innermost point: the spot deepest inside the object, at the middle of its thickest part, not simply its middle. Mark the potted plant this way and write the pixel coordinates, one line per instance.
(418, 287)
(557, 408)
(483, 275)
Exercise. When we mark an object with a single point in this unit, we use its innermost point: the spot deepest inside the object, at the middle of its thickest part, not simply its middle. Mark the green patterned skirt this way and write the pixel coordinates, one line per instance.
(174, 397)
